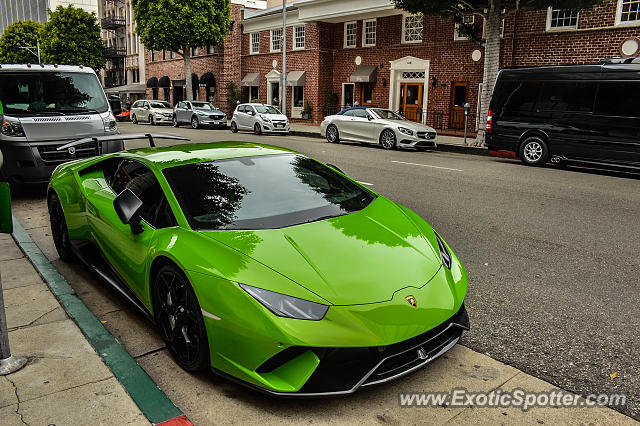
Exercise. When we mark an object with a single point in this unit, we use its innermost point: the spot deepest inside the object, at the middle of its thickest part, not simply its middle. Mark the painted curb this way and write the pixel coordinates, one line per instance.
(152, 401)
(443, 147)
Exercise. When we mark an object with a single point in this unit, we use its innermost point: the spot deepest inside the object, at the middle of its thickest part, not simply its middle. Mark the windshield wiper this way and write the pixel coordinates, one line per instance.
(81, 110)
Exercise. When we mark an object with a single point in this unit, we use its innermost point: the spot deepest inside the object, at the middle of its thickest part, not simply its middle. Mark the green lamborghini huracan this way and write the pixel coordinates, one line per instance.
(262, 264)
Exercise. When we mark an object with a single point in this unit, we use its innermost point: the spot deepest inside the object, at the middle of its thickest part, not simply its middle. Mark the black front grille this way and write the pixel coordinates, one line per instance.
(216, 117)
(427, 135)
(342, 369)
(425, 144)
(49, 153)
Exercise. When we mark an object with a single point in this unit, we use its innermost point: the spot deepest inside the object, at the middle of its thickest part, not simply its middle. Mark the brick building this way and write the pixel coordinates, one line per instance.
(368, 52)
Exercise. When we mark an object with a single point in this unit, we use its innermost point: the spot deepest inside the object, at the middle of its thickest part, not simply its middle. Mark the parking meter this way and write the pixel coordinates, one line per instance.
(466, 107)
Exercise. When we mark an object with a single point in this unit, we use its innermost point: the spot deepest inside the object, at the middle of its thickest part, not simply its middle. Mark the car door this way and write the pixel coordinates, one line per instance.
(361, 126)
(188, 112)
(180, 108)
(344, 124)
(240, 116)
(250, 116)
(128, 253)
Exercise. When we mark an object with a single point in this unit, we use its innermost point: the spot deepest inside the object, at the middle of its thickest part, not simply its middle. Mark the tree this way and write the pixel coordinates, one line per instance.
(15, 36)
(179, 25)
(493, 12)
(72, 37)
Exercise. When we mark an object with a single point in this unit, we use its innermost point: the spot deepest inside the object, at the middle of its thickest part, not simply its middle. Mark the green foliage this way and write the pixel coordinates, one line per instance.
(174, 24)
(308, 107)
(331, 106)
(255, 101)
(20, 33)
(72, 37)
(234, 95)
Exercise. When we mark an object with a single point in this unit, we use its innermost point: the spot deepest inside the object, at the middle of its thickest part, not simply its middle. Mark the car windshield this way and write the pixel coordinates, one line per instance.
(159, 104)
(267, 109)
(386, 114)
(204, 105)
(265, 192)
(32, 93)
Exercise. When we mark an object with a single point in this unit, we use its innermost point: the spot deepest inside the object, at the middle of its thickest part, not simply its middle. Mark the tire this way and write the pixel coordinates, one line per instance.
(234, 127)
(333, 136)
(178, 314)
(59, 230)
(534, 151)
(175, 122)
(134, 119)
(257, 129)
(388, 139)
(195, 123)
(151, 120)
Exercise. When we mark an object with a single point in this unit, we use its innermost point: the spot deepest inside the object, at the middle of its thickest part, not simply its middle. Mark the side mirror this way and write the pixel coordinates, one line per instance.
(128, 206)
(335, 167)
(252, 113)
(369, 117)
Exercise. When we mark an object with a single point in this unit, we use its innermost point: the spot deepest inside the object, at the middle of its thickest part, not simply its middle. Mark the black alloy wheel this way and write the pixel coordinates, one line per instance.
(59, 230)
(179, 317)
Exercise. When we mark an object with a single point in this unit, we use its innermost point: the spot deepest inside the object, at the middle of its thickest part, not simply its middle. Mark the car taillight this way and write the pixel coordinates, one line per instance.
(489, 120)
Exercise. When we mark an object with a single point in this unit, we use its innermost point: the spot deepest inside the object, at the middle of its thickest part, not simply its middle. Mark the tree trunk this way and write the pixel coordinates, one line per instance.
(491, 64)
(187, 72)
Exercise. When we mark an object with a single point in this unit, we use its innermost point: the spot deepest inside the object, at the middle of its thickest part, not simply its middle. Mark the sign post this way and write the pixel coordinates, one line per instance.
(8, 362)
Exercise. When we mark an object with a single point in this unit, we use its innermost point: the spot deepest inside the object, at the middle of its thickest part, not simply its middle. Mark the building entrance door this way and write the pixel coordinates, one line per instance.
(411, 101)
(458, 99)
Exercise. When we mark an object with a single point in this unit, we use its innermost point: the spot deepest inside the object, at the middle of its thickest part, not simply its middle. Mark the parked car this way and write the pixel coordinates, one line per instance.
(198, 114)
(263, 264)
(582, 113)
(377, 126)
(153, 112)
(259, 118)
(44, 108)
(124, 116)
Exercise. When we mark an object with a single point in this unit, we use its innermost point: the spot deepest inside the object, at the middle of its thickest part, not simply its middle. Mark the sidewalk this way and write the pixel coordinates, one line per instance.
(445, 143)
(65, 381)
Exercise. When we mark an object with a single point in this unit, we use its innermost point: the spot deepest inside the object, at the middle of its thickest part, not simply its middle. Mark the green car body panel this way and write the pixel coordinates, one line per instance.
(362, 265)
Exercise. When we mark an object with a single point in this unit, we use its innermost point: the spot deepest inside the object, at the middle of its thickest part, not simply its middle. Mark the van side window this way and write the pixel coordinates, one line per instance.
(618, 99)
(520, 98)
(570, 96)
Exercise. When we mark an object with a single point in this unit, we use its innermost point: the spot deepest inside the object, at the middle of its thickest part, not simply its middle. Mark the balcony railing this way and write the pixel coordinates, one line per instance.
(114, 52)
(112, 23)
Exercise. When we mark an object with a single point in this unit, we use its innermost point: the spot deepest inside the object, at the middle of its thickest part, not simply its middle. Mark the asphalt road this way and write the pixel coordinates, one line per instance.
(552, 253)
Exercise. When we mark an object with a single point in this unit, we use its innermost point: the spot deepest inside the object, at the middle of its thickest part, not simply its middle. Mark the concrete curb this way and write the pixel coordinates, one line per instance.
(152, 401)
(463, 149)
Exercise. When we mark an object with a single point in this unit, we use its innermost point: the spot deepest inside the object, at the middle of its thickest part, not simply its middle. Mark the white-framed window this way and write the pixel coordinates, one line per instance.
(412, 28)
(350, 33)
(211, 50)
(298, 37)
(276, 39)
(369, 32)
(560, 19)
(466, 19)
(628, 12)
(255, 43)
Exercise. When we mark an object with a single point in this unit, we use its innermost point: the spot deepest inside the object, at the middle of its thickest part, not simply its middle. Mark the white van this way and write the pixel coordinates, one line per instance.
(46, 106)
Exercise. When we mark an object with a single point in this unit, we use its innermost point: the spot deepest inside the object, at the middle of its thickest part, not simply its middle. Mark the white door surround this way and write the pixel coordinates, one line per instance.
(272, 77)
(410, 65)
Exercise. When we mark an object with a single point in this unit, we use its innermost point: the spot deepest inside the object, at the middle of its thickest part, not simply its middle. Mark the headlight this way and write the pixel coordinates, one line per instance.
(200, 112)
(109, 123)
(287, 306)
(265, 118)
(12, 128)
(405, 131)
(445, 256)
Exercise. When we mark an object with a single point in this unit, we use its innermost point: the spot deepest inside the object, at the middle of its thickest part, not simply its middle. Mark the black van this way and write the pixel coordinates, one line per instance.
(583, 113)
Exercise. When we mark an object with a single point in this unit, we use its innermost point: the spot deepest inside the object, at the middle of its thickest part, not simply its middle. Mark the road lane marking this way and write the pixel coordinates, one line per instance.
(365, 183)
(426, 165)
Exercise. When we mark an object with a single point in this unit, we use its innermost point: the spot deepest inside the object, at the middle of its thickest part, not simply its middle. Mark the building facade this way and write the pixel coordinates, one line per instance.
(124, 73)
(367, 52)
(36, 10)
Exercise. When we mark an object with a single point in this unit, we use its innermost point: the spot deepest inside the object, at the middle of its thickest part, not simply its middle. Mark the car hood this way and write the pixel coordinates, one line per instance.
(416, 127)
(277, 117)
(162, 110)
(358, 258)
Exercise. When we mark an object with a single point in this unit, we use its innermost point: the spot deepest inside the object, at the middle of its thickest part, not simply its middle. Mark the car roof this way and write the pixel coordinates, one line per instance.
(349, 109)
(46, 67)
(178, 155)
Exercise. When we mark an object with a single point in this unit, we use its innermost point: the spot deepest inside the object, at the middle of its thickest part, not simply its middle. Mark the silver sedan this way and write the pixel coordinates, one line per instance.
(377, 126)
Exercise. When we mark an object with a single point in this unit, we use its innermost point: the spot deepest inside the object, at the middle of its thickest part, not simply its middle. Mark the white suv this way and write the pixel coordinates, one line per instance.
(259, 118)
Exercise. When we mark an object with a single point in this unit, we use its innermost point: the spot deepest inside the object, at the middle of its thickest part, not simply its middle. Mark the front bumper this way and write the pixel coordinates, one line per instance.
(207, 121)
(163, 118)
(419, 140)
(34, 162)
(275, 127)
